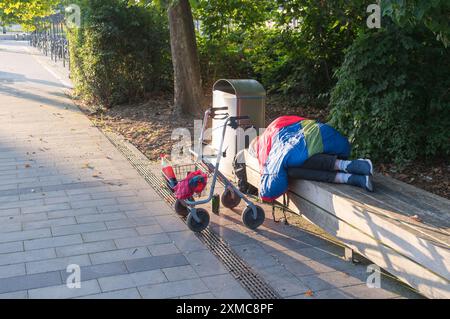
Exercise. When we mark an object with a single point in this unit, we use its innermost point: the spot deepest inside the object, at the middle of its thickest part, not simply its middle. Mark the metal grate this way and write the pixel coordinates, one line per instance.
(243, 273)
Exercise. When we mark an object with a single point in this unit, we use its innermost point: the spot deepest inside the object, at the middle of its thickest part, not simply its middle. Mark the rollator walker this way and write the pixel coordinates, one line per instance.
(198, 218)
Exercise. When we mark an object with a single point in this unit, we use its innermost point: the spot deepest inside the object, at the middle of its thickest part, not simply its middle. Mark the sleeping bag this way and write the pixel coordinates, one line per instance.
(288, 142)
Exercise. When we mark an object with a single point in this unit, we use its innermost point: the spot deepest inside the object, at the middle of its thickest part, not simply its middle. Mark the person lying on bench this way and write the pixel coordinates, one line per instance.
(294, 147)
(328, 168)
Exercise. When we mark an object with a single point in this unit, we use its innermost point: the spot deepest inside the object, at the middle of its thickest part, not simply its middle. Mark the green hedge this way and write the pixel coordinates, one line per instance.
(244, 38)
(120, 54)
(392, 97)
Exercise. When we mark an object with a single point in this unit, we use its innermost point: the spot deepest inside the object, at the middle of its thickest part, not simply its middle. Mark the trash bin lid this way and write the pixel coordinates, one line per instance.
(242, 88)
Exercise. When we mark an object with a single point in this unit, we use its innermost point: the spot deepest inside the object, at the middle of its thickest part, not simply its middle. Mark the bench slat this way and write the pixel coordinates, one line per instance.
(379, 225)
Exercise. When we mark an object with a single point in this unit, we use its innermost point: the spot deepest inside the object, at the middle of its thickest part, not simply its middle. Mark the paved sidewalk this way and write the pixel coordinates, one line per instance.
(67, 196)
(298, 264)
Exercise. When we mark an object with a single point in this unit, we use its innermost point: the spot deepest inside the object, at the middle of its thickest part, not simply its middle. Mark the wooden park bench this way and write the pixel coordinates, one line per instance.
(400, 228)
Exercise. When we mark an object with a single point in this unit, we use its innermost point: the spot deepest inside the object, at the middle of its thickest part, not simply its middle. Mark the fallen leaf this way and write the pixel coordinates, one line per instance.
(309, 293)
(416, 218)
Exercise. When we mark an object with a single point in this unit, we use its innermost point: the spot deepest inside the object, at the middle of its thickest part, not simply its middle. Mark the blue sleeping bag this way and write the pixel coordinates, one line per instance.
(288, 142)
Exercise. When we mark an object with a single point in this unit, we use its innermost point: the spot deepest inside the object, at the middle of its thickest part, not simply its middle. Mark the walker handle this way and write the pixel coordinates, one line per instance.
(220, 116)
(223, 108)
(238, 118)
(235, 119)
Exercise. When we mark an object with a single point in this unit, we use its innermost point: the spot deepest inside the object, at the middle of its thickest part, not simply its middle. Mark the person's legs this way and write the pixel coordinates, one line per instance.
(326, 168)
(359, 166)
(327, 162)
(321, 162)
(312, 174)
(363, 181)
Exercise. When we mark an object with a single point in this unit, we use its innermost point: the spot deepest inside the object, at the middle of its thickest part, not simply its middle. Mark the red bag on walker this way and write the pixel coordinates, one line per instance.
(194, 183)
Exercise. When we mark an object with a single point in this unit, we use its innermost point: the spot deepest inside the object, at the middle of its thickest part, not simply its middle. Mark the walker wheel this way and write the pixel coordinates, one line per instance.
(204, 220)
(230, 199)
(249, 221)
(181, 208)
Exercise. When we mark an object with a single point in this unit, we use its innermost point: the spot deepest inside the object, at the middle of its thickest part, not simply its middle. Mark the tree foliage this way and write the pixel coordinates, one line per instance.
(26, 12)
(221, 17)
(292, 46)
(434, 14)
(392, 97)
(120, 54)
(188, 90)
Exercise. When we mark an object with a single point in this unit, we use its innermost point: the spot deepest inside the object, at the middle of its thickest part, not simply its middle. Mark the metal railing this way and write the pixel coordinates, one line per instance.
(50, 38)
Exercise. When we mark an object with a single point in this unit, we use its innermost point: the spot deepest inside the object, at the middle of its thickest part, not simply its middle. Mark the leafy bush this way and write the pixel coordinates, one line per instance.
(293, 50)
(392, 95)
(432, 14)
(223, 58)
(226, 27)
(284, 66)
(316, 34)
(121, 53)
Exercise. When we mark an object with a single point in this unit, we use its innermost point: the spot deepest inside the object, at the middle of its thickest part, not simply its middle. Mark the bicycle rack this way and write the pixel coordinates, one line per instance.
(50, 38)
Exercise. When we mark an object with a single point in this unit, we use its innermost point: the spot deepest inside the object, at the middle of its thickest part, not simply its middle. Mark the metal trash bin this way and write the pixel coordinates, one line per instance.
(242, 97)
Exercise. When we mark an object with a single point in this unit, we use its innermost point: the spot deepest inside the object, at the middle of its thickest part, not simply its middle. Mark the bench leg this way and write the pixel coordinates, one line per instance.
(284, 215)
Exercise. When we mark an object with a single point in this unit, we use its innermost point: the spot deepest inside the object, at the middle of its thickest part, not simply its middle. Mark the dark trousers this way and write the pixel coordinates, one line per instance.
(319, 167)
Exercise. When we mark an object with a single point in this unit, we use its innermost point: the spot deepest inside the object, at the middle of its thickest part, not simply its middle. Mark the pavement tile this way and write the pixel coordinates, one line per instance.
(25, 282)
(98, 271)
(156, 262)
(85, 248)
(131, 280)
(130, 293)
(63, 292)
(173, 289)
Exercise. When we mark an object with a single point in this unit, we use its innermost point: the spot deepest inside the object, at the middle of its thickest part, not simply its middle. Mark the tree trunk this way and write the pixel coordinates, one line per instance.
(188, 97)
